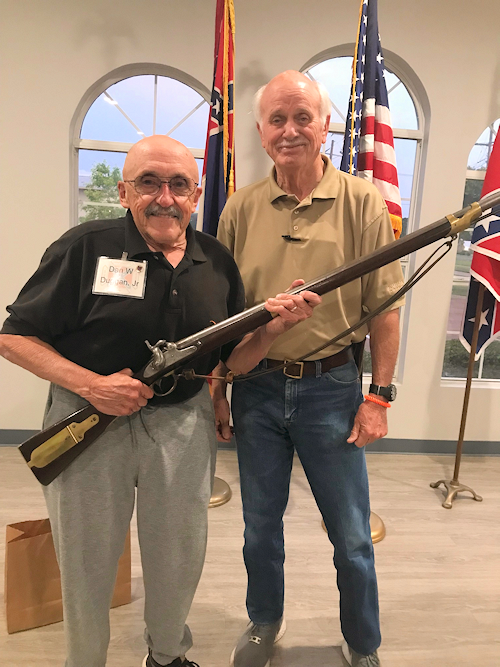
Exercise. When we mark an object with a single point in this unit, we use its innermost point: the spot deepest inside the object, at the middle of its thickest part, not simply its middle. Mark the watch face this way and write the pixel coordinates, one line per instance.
(389, 392)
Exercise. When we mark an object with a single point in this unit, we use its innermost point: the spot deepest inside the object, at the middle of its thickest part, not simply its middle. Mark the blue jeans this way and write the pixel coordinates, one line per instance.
(273, 416)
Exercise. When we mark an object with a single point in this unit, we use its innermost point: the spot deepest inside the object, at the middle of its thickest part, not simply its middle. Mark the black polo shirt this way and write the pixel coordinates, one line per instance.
(106, 333)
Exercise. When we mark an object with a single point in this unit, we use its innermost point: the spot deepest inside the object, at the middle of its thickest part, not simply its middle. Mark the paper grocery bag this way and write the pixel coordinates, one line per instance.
(123, 585)
(32, 578)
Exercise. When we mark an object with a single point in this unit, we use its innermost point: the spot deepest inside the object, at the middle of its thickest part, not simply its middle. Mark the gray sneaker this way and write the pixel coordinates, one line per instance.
(256, 644)
(357, 660)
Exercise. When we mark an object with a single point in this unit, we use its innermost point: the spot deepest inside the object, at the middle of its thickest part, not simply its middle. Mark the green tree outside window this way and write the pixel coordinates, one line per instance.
(102, 193)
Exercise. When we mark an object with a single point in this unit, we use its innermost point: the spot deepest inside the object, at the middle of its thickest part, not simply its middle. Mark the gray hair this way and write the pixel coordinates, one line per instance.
(325, 105)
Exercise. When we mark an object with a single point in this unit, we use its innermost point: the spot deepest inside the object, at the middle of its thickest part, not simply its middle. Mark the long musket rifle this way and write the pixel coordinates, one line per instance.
(49, 452)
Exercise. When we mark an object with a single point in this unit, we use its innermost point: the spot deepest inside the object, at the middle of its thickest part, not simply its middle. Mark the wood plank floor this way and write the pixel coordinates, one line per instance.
(439, 573)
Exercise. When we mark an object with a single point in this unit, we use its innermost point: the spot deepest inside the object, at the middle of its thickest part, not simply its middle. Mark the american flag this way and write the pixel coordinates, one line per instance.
(368, 141)
(485, 267)
(218, 167)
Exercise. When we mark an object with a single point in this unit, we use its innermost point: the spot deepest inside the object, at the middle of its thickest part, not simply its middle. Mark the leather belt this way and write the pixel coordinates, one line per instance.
(301, 368)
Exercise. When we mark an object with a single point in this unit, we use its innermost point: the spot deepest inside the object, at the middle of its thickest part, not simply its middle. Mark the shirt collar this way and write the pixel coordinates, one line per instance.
(136, 245)
(327, 188)
(193, 248)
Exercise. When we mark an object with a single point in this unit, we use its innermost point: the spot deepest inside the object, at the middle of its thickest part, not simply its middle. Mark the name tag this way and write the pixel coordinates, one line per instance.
(120, 277)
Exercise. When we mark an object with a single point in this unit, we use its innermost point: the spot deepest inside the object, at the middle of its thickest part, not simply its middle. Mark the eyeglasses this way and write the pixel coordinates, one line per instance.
(151, 185)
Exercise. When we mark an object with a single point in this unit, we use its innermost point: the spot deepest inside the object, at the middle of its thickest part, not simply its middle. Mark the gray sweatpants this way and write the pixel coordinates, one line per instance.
(168, 453)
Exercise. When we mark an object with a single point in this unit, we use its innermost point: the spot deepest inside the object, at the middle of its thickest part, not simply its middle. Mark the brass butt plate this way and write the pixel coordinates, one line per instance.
(377, 528)
(221, 493)
(61, 442)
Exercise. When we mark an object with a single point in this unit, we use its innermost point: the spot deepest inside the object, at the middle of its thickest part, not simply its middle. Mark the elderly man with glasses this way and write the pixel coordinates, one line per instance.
(80, 322)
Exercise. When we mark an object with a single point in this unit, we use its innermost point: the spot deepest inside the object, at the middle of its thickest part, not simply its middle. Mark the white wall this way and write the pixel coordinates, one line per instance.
(52, 51)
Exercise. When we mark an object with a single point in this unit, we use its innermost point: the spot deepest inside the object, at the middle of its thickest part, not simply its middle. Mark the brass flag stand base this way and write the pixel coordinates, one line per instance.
(221, 493)
(377, 528)
(453, 487)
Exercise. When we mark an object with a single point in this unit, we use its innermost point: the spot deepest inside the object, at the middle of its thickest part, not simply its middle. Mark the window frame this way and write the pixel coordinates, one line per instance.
(472, 175)
(88, 99)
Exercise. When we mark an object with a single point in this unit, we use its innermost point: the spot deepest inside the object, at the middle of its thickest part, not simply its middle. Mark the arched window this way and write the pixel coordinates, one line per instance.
(456, 357)
(130, 103)
(333, 69)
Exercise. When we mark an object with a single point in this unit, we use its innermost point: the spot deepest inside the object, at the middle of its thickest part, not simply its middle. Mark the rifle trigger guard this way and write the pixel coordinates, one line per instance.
(165, 393)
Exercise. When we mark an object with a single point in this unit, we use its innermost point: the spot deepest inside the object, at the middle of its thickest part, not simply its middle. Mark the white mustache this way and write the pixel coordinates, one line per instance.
(157, 210)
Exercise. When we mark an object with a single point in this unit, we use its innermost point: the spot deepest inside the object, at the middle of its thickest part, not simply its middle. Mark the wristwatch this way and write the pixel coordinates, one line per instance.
(389, 392)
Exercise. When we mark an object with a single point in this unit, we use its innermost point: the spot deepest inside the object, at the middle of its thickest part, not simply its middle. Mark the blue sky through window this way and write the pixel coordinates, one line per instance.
(177, 105)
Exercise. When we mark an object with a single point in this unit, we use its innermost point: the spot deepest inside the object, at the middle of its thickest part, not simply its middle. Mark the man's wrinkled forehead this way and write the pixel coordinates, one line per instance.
(165, 165)
(281, 97)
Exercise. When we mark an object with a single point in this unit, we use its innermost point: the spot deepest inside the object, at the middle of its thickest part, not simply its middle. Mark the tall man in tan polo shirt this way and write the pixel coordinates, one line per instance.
(304, 220)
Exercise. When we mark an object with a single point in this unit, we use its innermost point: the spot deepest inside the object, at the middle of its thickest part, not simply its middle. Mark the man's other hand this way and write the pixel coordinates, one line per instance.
(290, 308)
(118, 394)
(221, 408)
(370, 424)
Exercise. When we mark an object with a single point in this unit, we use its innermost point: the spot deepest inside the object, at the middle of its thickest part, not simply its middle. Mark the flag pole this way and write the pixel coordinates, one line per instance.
(453, 487)
(217, 167)
(369, 103)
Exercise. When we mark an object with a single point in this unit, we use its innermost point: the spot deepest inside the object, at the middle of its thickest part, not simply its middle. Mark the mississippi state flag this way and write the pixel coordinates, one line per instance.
(485, 267)
(218, 166)
(368, 140)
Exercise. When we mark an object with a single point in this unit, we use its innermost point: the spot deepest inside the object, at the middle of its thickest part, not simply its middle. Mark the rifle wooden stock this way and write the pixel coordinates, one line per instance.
(49, 452)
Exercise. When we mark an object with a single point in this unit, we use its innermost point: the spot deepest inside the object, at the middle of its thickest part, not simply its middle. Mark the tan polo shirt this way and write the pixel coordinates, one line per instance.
(343, 219)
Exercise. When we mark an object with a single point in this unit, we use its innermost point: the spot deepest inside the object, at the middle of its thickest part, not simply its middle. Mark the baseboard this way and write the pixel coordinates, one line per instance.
(470, 448)
(13, 437)
(396, 446)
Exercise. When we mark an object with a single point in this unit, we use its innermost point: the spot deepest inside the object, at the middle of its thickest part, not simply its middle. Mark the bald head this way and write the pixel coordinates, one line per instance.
(161, 217)
(292, 81)
(158, 147)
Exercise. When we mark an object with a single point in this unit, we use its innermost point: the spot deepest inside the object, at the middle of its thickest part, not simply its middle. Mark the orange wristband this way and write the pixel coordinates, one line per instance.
(374, 399)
